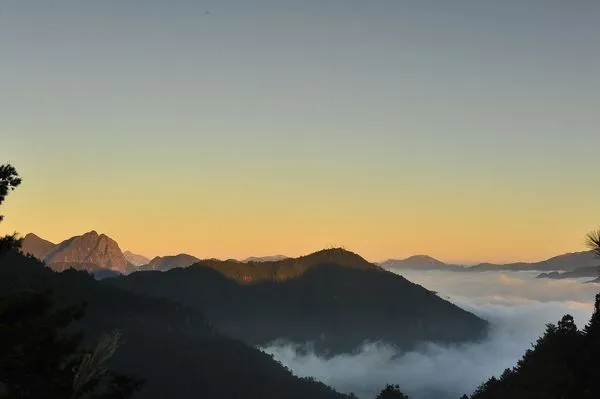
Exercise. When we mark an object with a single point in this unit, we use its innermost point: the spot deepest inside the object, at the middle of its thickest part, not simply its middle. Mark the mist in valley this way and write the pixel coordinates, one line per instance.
(517, 305)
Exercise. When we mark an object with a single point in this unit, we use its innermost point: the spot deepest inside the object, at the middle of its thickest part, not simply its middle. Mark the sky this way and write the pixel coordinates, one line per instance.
(466, 130)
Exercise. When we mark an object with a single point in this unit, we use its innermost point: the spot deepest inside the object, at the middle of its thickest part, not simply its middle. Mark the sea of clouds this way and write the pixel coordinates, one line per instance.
(517, 305)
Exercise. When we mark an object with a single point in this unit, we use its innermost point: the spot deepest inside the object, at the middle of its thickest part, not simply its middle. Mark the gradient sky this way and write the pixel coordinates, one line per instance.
(467, 130)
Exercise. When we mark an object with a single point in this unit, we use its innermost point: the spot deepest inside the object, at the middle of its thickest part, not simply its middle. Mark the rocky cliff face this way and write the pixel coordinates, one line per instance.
(91, 248)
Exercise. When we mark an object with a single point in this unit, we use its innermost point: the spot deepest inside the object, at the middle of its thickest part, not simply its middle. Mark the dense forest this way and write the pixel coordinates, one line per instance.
(333, 299)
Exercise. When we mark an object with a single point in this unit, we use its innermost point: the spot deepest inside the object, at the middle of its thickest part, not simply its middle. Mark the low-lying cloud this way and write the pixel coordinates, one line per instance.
(517, 305)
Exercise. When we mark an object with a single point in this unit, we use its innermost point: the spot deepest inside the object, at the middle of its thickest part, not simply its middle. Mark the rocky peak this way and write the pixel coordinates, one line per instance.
(91, 247)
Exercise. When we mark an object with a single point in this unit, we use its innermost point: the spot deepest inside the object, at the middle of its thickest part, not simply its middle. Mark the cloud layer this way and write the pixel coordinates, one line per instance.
(517, 305)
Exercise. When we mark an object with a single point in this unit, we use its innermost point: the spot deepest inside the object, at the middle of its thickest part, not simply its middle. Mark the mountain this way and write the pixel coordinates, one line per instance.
(164, 263)
(590, 271)
(37, 246)
(89, 248)
(565, 262)
(273, 258)
(173, 347)
(254, 272)
(332, 298)
(418, 262)
(135, 259)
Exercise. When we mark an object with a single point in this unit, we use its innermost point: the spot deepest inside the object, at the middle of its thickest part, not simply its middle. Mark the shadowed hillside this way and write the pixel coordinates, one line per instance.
(174, 348)
(333, 298)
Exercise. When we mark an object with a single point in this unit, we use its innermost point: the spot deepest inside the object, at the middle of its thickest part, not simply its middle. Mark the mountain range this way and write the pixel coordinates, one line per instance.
(580, 272)
(333, 299)
(175, 349)
(164, 263)
(566, 262)
(102, 256)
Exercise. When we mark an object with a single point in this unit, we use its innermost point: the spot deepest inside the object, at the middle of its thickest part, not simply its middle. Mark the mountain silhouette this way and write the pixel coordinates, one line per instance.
(580, 272)
(333, 298)
(418, 262)
(174, 348)
(135, 259)
(164, 263)
(565, 262)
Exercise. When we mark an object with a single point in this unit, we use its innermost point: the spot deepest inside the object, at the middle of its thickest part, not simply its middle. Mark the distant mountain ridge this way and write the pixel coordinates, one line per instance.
(419, 262)
(164, 263)
(580, 272)
(272, 258)
(565, 262)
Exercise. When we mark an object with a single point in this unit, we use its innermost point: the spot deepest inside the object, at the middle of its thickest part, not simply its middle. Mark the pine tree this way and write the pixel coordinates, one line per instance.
(9, 180)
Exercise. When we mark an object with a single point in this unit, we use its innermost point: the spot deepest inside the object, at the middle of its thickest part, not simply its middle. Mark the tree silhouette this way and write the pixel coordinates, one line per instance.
(39, 360)
(593, 241)
(9, 180)
(563, 362)
(391, 392)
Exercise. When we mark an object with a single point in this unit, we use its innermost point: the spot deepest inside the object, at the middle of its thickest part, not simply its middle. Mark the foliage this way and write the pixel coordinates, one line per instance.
(9, 180)
(38, 358)
(563, 363)
(391, 392)
(593, 241)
